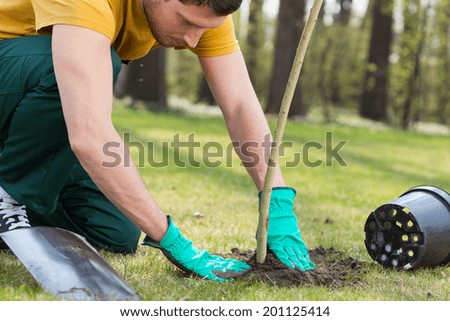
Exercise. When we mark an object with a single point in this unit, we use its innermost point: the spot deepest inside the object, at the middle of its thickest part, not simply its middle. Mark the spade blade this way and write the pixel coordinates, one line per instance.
(66, 265)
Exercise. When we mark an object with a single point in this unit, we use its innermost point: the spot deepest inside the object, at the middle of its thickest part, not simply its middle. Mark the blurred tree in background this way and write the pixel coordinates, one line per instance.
(334, 66)
(204, 94)
(374, 97)
(145, 80)
(406, 72)
(289, 29)
(386, 60)
(254, 46)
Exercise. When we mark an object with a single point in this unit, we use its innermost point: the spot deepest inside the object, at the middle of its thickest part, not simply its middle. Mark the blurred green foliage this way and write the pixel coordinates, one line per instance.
(333, 72)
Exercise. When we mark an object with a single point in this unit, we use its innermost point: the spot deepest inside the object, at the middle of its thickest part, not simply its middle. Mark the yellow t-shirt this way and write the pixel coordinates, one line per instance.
(122, 21)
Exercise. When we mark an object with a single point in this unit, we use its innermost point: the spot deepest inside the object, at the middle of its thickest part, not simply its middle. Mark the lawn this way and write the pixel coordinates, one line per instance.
(377, 164)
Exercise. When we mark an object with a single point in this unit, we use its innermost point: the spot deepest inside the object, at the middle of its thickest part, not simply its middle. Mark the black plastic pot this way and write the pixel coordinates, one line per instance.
(412, 231)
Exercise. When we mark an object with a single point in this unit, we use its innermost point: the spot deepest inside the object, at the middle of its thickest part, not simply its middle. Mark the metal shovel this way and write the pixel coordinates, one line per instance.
(66, 265)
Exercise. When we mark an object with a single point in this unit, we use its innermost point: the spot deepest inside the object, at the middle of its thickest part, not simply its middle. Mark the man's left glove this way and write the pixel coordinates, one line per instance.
(181, 252)
(283, 235)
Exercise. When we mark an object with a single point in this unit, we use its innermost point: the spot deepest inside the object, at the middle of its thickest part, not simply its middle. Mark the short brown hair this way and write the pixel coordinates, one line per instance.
(219, 7)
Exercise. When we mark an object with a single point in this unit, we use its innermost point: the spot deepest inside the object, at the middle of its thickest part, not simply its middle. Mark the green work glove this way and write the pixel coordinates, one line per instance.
(283, 236)
(181, 252)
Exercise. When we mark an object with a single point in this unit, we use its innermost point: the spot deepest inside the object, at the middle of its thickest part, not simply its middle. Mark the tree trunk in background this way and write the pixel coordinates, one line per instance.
(343, 17)
(416, 26)
(322, 76)
(144, 80)
(340, 45)
(290, 27)
(255, 43)
(204, 94)
(374, 98)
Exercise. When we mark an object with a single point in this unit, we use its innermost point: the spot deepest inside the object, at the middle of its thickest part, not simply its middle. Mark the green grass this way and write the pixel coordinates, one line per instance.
(382, 163)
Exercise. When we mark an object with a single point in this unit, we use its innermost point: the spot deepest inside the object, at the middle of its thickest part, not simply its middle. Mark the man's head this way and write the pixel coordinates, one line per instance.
(182, 22)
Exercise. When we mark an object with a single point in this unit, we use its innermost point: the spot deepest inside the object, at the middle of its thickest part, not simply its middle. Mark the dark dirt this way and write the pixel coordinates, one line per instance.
(333, 269)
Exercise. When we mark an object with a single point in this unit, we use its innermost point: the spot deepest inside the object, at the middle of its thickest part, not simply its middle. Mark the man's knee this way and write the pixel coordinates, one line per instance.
(124, 240)
(118, 234)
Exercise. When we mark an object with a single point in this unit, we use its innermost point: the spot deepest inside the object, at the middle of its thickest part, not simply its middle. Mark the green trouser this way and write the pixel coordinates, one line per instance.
(37, 166)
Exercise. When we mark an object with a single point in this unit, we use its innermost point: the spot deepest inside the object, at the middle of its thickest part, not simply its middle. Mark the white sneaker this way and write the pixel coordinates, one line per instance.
(12, 214)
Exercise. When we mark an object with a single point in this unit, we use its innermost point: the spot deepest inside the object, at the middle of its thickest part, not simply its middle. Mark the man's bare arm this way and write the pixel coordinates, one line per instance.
(232, 88)
(83, 67)
(230, 83)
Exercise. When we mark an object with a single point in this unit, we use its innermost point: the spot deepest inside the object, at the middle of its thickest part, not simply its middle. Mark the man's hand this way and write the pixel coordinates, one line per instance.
(283, 236)
(181, 252)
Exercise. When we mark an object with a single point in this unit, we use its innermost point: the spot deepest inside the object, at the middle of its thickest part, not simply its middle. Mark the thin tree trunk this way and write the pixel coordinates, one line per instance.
(144, 80)
(413, 80)
(322, 83)
(343, 17)
(255, 42)
(290, 27)
(374, 98)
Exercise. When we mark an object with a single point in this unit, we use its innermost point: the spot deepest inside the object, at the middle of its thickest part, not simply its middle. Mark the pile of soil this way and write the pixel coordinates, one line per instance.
(333, 269)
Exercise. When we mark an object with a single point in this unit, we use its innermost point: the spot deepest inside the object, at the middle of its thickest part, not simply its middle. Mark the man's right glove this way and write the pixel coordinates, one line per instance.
(283, 236)
(181, 252)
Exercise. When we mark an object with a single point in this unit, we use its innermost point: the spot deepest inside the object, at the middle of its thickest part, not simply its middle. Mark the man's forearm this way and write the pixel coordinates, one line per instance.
(248, 126)
(230, 83)
(122, 184)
